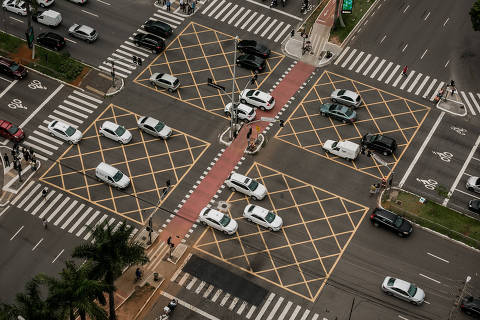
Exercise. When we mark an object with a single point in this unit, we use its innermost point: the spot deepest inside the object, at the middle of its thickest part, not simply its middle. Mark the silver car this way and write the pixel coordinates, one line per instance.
(154, 127)
(83, 32)
(165, 80)
(473, 184)
(403, 290)
(346, 97)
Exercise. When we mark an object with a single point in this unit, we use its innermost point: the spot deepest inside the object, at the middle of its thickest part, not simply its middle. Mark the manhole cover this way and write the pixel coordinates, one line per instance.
(223, 206)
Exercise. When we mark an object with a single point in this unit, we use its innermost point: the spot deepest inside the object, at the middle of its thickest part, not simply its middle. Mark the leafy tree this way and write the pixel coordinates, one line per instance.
(110, 252)
(76, 293)
(475, 15)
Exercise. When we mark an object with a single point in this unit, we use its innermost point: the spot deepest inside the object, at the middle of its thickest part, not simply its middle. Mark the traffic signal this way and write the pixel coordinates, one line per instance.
(30, 37)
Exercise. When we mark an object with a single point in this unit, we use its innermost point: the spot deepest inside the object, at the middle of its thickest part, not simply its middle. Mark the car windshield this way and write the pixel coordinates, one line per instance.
(117, 176)
(13, 129)
(348, 113)
(120, 131)
(334, 144)
(398, 222)
(341, 92)
(250, 93)
(159, 126)
(253, 185)
(225, 220)
(270, 217)
(14, 66)
(412, 290)
(70, 131)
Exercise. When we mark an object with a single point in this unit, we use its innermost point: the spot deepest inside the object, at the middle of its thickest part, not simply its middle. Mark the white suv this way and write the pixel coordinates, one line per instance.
(244, 112)
(218, 220)
(115, 132)
(258, 99)
(247, 186)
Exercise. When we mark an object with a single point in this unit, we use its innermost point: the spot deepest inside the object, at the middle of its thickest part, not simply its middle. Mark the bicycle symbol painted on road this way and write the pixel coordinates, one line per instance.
(35, 84)
(444, 156)
(458, 130)
(16, 104)
(429, 184)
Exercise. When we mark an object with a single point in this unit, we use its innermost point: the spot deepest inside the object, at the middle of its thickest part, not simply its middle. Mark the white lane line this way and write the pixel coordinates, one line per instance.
(404, 48)
(52, 203)
(85, 214)
(377, 68)
(383, 38)
(408, 6)
(208, 291)
(401, 317)
(87, 12)
(43, 142)
(8, 88)
(216, 8)
(34, 113)
(429, 88)
(63, 114)
(229, 13)
(72, 216)
(43, 202)
(242, 307)
(265, 306)
(269, 27)
(414, 82)
(235, 15)
(446, 64)
(20, 195)
(18, 20)
(260, 18)
(465, 99)
(275, 308)
(62, 120)
(420, 151)
(16, 233)
(363, 63)
(233, 304)
(100, 221)
(285, 310)
(216, 295)
(3, 211)
(183, 279)
(223, 10)
(105, 3)
(474, 101)
(422, 85)
(35, 247)
(392, 74)
(430, 254)
(250, 312)
(446, 22)
(207, 8)
(384, 72)
(460, 174)
(224, 300)
(32, 192)
(295, 312)
(305, 314)
(200, 287)
(242, 17)
(466, 193)
(192, 282)
(429, 278)
(189, 306)
(65, 213)
(73, 111)
(54, 213)
(370, 66)
(87, 223)
(350, 56)
(285, 29)
(354, 63)
(261, 26)
(58, 255)
(77, 106)
(404, 84)
(423, 54)
(275, 30)
(428, 15)
(248, 20)
(341, 55)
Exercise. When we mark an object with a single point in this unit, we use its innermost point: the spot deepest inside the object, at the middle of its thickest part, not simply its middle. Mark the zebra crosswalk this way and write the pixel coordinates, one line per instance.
(74, 110)
(246, 19)
(123, 56)
(390, 73)
(274, 307)
(61, 211)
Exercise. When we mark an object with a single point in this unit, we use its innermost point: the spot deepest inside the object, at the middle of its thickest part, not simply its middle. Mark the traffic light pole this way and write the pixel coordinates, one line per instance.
(30, 29)
(233, 118)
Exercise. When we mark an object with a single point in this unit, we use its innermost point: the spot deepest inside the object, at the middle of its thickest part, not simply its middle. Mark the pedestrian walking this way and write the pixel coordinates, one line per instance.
(44, 193)
(32, 154)
(404, 72)
(193, 7)
(26, 154)
(292, 33)
(15, 164)
(13, 154)
(164, 2)
(44, 222)
(168, 5)
(181, 4)
(384, 183)
(6, 160)
(452, 83)
(19, 168)
(453, 91)
(373, 190)
(34, 160)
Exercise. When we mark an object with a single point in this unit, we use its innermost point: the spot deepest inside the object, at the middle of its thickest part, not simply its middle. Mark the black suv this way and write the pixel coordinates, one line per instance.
(159, 28)
(380, 143)
(51, 40)
(149, 41)
(249, 61)
(389, 220)
(253, 47)
(471, 306)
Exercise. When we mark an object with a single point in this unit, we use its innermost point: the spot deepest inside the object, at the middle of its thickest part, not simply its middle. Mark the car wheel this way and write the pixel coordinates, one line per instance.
(204, 223)
(254, 198)
(334, 100)
(19, 13)
(385, 153)
(243, 101)
(376, 224)
(414, 303)
(270, 228)
(136, 44)
(388, 293)
(227, 114)
(52, 134)
(154, 51)
(232, 189)
(400, 234)
(470, 189)
(42, 5)
(344, 121)
(262, 108)
(70, 142)
(249, 220)
(323, 114)
(225, 231)
(170, 90)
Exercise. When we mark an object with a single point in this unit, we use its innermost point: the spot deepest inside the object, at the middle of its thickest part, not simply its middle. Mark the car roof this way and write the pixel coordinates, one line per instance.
(213, 214)
(385, 213)
(158, 23)
(107, 168)
(5, 124)
(109, 125)
(238, 177)
(151, 121)
(244, 107)
(401, 284)
(259, 211)
(85, 28)
(168, 77)
(248, 42)
(60, 125)
(348, 93)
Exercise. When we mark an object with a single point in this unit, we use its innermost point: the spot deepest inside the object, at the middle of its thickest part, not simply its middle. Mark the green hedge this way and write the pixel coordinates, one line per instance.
(8, 43)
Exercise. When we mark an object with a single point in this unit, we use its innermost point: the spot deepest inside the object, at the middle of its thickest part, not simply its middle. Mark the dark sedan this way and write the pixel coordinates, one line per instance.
(149, 41)
(249, 61)
(159, 28)
(12, 69)
(51, 40)
(339, 112)
(253, 47)
(471, 306)
(391, 221)
(474, 205)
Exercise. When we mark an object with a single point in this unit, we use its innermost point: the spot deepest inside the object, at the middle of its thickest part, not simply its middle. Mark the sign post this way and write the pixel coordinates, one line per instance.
(347, 6)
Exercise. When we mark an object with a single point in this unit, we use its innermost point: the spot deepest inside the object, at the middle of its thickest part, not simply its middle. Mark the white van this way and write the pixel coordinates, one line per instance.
(49, 18)
(344, 149)
(112, 176)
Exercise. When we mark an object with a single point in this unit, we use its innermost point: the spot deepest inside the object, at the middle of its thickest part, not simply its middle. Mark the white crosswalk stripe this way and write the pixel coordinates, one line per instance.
(390, 73)
(244, 18)
(58, 205)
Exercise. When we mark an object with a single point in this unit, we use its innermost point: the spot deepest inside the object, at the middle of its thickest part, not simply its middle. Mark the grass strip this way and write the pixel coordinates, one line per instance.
(338, 33)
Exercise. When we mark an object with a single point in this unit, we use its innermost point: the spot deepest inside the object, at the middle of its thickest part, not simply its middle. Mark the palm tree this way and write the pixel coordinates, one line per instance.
(76, 293)
(110, 252)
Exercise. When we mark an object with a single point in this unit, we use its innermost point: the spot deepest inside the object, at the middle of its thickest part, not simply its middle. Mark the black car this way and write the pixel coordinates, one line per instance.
(471, 306)
(249, 61)
(159, 28)
(392, 221)
(253, 47)
(474, 205)
(149, 41)
(12, 69)
(380, 143)
(51, 40)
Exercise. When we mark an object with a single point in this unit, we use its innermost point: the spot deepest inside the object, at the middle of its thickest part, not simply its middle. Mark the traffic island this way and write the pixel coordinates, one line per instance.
(255, 145)
(225, 135)
(452, 104)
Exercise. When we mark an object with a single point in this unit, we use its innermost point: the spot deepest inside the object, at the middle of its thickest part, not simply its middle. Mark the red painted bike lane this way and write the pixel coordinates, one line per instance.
(201, 196)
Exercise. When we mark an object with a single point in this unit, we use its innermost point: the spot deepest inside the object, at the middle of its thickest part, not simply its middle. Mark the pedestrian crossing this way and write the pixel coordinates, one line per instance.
(74, 110)
(259, 24)
(274, 307)
(123, 56)
(62, 211)
(390, 73)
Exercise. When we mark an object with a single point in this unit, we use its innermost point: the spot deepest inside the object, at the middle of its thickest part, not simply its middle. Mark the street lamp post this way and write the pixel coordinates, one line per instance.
(233, 118)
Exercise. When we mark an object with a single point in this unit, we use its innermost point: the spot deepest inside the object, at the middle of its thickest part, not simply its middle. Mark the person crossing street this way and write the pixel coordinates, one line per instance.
(6, 160)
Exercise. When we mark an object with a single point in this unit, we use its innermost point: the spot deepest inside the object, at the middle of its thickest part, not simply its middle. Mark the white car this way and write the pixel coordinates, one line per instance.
(258, 99)
(344, 149)
(45, 3)
(154, 127)
(115, 132)
(244, 112)
(79, 1)
(403, 290)
(247, 186)
(218, 220)
(263, 217)
(18, 7)
(65, 132)
(346, 97)
(473, 184)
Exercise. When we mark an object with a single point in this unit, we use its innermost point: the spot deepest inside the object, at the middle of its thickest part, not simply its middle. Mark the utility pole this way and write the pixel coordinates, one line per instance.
(233, 118)
(29, 33)
(339, 15)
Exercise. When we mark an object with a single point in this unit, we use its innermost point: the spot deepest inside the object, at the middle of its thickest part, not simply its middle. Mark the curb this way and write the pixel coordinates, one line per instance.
(109, 94)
